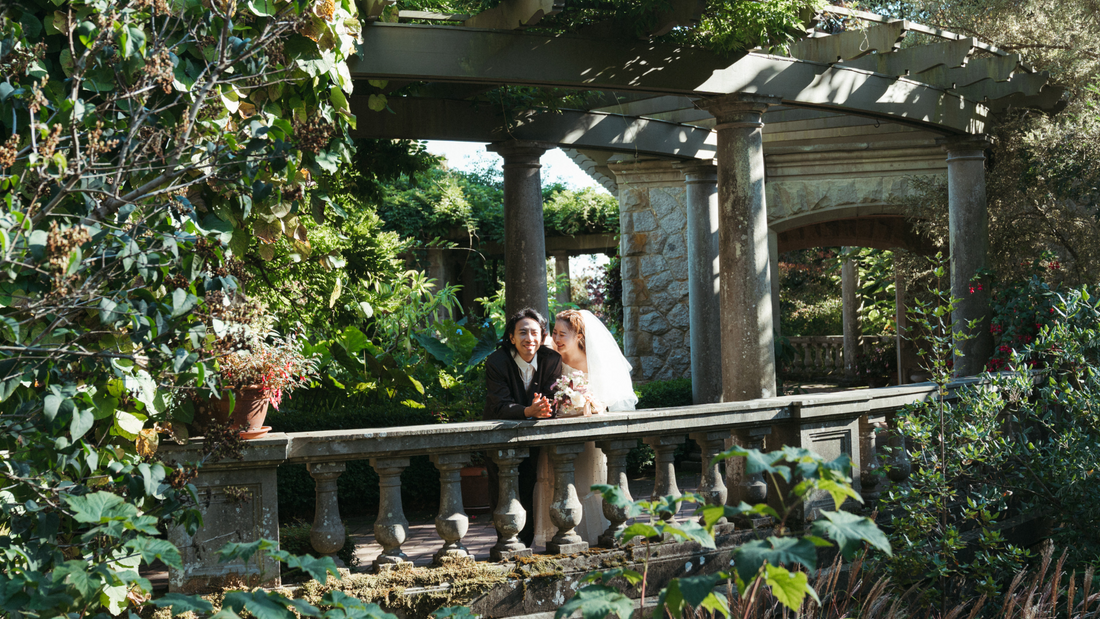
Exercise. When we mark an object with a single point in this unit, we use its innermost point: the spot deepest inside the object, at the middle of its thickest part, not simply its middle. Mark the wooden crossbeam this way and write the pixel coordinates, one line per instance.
(514, 14)
(853, 44)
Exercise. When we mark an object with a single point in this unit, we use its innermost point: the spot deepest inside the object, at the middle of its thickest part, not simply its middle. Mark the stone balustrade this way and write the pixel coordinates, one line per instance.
(822, 356)
(856, 423)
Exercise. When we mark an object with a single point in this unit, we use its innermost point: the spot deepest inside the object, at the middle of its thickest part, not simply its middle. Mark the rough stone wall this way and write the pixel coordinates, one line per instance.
(653, 246)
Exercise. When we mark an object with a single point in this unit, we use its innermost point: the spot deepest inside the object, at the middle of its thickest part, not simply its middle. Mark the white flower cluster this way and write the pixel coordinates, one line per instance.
(572, 395)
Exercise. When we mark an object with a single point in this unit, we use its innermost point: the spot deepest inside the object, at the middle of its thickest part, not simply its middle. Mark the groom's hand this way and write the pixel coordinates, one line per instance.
(539, 409)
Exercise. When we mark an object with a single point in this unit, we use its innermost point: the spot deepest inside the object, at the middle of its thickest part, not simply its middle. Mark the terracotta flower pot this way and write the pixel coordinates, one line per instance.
(249, 412)
(475, 489)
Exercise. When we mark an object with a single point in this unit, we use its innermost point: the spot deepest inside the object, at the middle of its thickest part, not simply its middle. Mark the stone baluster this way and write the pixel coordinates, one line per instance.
(327, 535)
(711, 486)
(509, 517)
(664, 447)
(566, 509)
(751, 489)
(900, 465)
(451, 523)
(616, 452)
(869, 478)
(807, 358)
(391, 529)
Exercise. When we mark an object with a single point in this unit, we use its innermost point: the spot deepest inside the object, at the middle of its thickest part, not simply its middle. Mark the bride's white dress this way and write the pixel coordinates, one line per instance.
(609, 381)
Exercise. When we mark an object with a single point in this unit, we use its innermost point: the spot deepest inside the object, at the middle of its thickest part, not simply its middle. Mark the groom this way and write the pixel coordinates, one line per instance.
(519, 377)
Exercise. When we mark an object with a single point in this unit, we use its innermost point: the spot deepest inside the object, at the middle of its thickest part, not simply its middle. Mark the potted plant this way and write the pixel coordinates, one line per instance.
(256, 372)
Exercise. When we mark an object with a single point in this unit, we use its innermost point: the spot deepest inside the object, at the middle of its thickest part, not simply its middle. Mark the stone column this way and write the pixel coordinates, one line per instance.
(524, 235)
(616, 452)
(773, 270)
(748, 359)
(711, 485)
(509, 516)
(664, 483)
(561, 267)
(566, 510)
(437, 270)
(704, 304)
(849, 295)
(451, 522)
(969, 229)
(901, 320)
(327, 536)
(391, 529)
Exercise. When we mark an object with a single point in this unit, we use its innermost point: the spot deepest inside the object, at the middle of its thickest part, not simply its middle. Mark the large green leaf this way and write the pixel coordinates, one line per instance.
(486, 344)
(183, 603)
(317, 568)
(77, 574)
(790, 588)
(437, 349)
(98, 507)
(850, 532)
(775, 551)
(691, 531)
(597, 602)
(682, 595)
(152, 549)
(640, 529)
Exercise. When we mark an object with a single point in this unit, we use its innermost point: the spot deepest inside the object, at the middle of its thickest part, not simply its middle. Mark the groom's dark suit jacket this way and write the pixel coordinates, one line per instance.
(506, 399)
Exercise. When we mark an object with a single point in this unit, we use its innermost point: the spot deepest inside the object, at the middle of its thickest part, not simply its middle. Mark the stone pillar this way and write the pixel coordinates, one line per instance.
(849, 295)
(969, 229)
(653, 246)
(509, 516)
(616, 452)
(704, 304)
(901, 320)
(748, 359)
(773, 270)
(566, 510)
(711, 485)
(437, 270)
(451, 522)
(524, 235)
(664, 483)
(327, 535)
(391, 529)
(561, 267)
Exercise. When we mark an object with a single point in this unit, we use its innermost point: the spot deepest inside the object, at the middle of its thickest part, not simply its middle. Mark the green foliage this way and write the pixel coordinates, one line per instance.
(810, 304)
(960, 453)
(586, 211)
(775, 563)
(146, 144)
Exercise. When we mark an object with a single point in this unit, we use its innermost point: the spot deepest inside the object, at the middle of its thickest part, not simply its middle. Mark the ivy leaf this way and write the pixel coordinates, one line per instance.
(758, 462)
(243, 550)
(850, 531)
(376, 103)
(597, 602)
(695, 589)
(775, 551)
(839, 491)
(317, 568)
(787, 587)
(183, 603)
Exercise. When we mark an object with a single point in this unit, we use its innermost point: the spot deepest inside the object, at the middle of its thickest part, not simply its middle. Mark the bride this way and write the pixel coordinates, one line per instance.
(585, 346)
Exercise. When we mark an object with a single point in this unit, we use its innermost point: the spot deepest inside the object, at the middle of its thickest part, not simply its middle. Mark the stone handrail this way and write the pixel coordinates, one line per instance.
(822, 356)
(832, 424)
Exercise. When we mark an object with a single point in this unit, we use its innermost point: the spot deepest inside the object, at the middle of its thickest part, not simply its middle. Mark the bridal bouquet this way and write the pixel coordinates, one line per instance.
(573, 398)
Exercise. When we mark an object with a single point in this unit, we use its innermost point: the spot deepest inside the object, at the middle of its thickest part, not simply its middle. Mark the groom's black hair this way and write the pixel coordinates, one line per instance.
(510, 327)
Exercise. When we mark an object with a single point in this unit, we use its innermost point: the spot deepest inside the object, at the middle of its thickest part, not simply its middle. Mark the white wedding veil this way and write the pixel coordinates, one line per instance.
(608, 369)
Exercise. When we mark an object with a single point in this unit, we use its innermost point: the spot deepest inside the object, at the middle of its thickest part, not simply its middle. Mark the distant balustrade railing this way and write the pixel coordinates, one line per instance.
(856, 423)
(822, 356)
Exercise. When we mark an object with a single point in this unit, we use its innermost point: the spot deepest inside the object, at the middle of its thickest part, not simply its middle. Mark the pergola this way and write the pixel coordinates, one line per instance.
(883, 99)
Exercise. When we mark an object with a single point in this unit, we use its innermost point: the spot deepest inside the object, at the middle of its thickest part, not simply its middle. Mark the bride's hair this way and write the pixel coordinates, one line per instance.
(576, 322)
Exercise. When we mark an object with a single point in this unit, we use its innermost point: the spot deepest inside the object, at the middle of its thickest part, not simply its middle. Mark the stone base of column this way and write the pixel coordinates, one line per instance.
(384, 562)
(457, 551)
(508, 555)
(565, 548)
(608, 539)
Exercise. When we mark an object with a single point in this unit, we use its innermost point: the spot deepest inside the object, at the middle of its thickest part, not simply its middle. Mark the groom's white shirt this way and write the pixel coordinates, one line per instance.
(526, 370)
